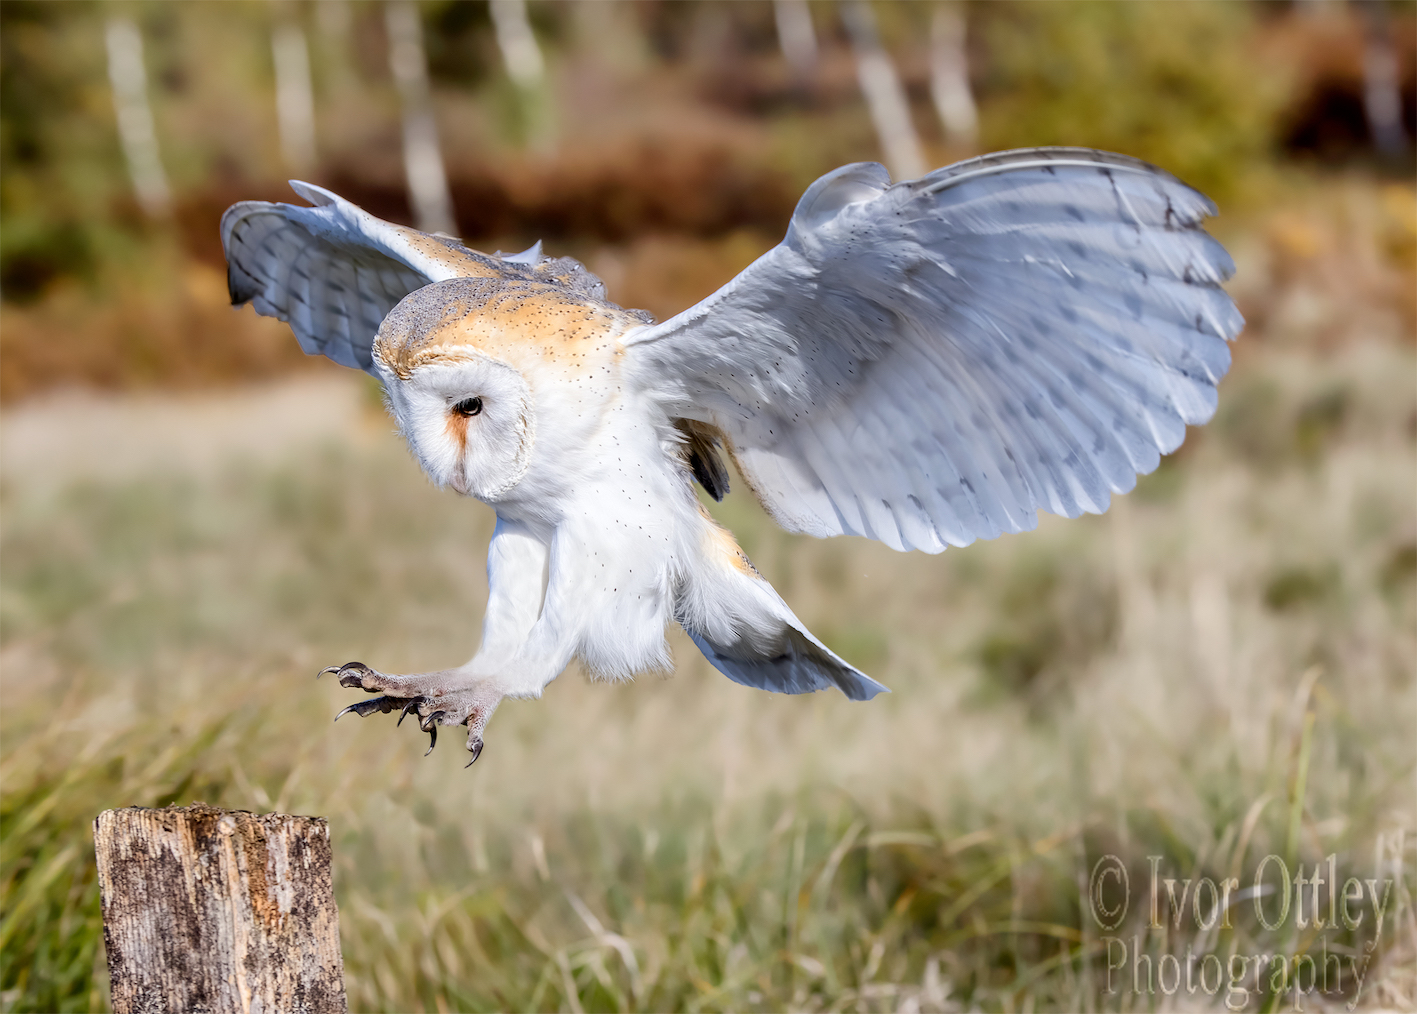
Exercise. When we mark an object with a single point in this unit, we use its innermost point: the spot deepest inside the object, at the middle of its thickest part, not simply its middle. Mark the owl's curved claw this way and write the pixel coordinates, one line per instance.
(374, 704)
(446, 697)
(346, 673)
(352, 674)
(430, 726)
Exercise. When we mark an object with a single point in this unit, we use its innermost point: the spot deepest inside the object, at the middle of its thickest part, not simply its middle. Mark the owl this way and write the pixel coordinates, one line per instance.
(923, 363)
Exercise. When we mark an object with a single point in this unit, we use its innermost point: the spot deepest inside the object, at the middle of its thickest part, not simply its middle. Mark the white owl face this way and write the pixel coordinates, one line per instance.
(468, 418)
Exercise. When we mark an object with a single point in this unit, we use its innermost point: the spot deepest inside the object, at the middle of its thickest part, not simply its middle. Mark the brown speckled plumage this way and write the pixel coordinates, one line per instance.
(500, 317)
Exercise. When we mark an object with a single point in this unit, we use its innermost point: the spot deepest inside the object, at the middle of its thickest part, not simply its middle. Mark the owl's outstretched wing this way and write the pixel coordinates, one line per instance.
(935, 361)
(333, 271)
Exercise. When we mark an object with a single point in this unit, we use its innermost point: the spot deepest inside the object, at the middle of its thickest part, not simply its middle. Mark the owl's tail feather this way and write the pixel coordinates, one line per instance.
(750, 635)
(802, 664)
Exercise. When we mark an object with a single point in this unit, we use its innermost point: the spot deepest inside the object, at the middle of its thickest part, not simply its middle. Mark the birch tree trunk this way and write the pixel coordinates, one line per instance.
(885, 96)
(135, 116)
(797, 36)
(218, 910)
(295, 96)
(422, 158)
(527, 69)
(1382, 97)
(949, 76)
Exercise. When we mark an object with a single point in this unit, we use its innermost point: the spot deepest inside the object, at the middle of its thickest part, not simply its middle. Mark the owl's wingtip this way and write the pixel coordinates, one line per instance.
(862, 687)
(318, 196)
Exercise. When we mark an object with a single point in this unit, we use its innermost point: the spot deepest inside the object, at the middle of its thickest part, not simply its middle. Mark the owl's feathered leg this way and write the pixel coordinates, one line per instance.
(748, 633)
(466, 695)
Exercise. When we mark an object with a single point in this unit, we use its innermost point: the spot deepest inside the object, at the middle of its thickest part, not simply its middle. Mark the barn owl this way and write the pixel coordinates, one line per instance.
(923, 363)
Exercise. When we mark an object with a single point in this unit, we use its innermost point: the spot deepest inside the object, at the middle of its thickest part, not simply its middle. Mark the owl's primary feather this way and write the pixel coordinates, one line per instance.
(924, 363)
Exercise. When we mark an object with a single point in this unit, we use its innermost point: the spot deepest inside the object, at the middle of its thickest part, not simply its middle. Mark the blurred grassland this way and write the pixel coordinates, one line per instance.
(1218, 669)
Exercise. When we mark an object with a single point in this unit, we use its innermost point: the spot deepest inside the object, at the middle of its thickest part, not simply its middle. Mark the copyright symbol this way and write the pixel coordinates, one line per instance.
(1109, 878)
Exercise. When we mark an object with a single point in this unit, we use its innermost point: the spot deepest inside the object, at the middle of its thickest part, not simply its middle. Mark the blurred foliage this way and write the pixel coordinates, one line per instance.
(59, 152)
(458, 40)
(1170, 81)
(1399, 571)
(1190, 86)
(1300, 586)
(189, 337)
(1268, 429)
(1054, 615)
(1319, 420)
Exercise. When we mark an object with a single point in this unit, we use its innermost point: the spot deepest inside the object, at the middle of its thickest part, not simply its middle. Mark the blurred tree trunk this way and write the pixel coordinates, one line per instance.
(1382, 101)
(295, 96)
(890, 110)
(218, 910)
(796, 36)
(611, 34)
(527, 69)
(135, 116)
(949, 76)
(334, 20)
(422, 159)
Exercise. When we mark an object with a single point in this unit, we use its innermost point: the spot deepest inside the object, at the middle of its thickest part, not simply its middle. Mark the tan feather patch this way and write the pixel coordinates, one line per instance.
(722, 546)
(502, 318)
(451, 254)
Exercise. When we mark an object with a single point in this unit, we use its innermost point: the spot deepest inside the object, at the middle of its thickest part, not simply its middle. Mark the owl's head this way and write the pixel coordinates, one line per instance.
(467, 415)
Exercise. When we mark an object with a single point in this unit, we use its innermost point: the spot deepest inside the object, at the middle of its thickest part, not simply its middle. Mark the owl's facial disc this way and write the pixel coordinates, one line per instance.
(468, 418)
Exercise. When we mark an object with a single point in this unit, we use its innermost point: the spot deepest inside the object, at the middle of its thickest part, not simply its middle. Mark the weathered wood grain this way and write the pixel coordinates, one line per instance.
(218, 910)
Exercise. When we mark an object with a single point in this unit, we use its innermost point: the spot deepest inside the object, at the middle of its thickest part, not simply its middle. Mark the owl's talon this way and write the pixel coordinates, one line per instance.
(474, 746)
(339, 670)
(447, 697)
(368, 707)
(430, 726)
(352, 674)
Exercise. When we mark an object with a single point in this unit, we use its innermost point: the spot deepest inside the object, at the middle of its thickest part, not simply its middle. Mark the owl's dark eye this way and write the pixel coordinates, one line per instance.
(468, 406)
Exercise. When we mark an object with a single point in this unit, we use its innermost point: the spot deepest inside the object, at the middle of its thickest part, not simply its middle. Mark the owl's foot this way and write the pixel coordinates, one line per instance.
(449, 697)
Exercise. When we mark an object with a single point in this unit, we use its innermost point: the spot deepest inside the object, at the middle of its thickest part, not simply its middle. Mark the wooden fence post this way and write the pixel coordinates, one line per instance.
(218, 910)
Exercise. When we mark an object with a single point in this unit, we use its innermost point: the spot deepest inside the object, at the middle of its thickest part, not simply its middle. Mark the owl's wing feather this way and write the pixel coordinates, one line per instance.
(334, 271)
(936, 361)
